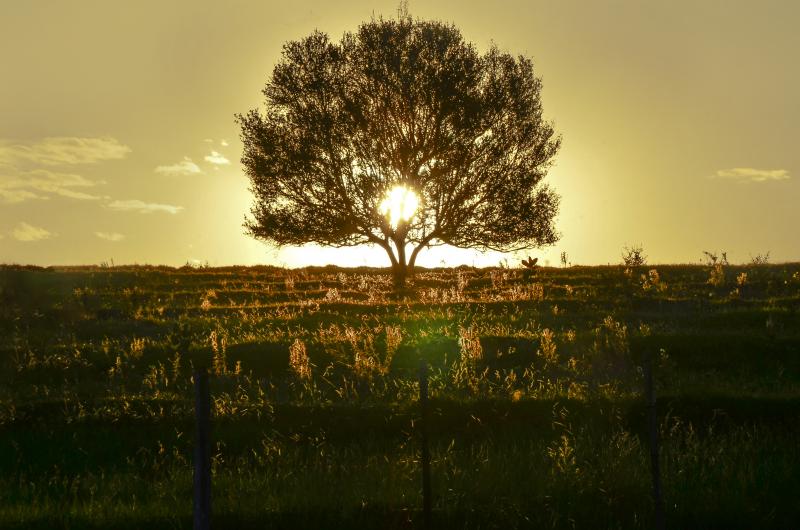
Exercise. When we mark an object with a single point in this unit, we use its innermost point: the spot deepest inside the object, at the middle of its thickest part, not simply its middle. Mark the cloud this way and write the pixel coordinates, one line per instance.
(217, 159)
(27, 233)
(752, 175)
(79, 195)
(19, 186)
(14, 196)
(184, 167)
(25, 172)
(63, 150)
(135, 205)
(224, 143)
(110, 236)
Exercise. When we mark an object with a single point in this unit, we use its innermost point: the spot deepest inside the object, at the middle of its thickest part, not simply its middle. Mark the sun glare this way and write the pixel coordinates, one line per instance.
(400, 204)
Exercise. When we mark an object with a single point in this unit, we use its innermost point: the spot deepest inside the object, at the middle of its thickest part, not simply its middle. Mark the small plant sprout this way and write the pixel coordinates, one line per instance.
(530, 263)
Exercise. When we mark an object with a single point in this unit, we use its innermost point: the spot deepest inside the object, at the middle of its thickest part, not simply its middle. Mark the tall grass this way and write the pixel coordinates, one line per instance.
(537, 418)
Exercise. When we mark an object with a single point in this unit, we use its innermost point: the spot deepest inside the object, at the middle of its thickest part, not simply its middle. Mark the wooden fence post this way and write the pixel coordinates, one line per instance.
(650, 395)
(425, 456)
(202, 451)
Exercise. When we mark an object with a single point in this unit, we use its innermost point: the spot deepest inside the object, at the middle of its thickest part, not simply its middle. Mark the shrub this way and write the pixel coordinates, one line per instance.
(716, 276)
(633, 256)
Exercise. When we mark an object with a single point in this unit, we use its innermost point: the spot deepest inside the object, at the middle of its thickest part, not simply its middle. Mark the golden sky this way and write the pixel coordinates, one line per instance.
(680, 121)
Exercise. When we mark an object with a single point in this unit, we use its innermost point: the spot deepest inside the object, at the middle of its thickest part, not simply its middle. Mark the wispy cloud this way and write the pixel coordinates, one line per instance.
(26, 174)
(217, 159)
(135, 205)
(15, 195)
(223, 143)
(26, 232)
(749, 174)
(79, 195)
(19, 186)
(63, 150)
(110, 236)
(184, 167)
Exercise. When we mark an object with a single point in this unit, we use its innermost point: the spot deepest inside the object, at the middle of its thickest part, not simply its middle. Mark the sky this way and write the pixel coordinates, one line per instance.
(680, 123)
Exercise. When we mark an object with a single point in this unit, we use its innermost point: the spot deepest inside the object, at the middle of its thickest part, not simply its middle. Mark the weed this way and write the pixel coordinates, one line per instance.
(299, 361)
(633, 256)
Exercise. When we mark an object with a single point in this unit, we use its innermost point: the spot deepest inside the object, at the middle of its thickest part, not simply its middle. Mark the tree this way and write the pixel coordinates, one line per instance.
(400, 114)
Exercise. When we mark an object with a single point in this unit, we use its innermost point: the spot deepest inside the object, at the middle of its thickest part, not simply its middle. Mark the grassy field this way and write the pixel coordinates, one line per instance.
(538, 419)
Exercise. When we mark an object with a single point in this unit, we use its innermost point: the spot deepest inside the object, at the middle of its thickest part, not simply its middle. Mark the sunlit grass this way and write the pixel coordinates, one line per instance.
(535, 381)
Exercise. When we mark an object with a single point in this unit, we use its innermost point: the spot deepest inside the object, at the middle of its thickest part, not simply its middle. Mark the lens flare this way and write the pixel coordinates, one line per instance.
(399, 205)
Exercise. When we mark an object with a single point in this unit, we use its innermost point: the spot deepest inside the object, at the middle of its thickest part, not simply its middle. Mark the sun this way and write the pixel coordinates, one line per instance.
(399, 205)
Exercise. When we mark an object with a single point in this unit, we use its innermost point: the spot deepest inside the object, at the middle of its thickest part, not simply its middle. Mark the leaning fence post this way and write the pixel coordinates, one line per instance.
(202, 451)
(425, 452)
(650, 395)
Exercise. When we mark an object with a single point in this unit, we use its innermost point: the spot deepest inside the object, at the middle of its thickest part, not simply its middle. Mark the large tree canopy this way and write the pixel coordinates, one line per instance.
(401, 102)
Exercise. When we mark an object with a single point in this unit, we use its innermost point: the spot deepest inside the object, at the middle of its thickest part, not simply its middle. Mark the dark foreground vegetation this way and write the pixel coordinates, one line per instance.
(537, 415)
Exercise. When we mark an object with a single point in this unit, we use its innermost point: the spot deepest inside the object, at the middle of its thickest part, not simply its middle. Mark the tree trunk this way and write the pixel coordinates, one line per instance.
(399, 274)
(411, 261)
(400, 268)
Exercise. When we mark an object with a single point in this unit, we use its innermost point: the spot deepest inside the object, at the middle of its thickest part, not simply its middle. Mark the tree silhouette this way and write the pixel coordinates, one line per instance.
(400, 102)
